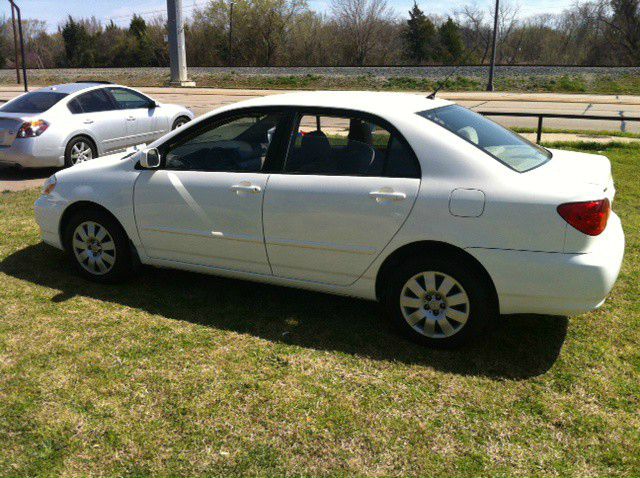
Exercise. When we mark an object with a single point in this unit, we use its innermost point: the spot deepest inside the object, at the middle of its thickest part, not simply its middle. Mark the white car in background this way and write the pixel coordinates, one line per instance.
(63, 125)
(442, 215)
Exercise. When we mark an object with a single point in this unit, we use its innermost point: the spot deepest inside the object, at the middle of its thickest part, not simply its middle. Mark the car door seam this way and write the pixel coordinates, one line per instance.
(264, 237)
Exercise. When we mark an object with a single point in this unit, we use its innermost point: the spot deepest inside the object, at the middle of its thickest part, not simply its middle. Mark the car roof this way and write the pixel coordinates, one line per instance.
(70, 88)
(379, 103)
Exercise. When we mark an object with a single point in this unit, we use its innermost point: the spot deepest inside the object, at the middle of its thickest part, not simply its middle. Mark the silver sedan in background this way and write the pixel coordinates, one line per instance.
(66, 124)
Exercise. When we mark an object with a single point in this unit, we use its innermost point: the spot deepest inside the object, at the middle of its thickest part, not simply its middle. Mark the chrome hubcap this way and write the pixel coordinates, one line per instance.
(81, 152)
(434, 304)
(94, 248)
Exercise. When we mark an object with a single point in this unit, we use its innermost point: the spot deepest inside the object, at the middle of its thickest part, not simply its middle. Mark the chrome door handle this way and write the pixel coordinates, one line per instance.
(88, 121)
(246, 188)
(381, 196)
(131, 118)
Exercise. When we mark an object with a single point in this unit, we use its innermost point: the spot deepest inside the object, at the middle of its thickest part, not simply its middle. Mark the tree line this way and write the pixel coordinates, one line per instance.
(351, 32)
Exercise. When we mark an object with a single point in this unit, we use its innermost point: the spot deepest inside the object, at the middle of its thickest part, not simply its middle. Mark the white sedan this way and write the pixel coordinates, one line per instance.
(445, 217)
(62, 125)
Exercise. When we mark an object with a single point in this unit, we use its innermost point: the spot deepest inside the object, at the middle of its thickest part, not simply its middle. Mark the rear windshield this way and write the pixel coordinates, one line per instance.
(35, 102)
(507, 147)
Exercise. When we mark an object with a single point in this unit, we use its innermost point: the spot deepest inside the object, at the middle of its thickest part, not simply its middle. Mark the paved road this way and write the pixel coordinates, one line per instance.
(202, 100)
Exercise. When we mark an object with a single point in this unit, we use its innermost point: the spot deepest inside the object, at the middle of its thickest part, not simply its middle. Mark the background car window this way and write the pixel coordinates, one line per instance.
(240, 145)
(74, 106)
(346, 146)
(94, 101)
(35, 102)
(128, 99)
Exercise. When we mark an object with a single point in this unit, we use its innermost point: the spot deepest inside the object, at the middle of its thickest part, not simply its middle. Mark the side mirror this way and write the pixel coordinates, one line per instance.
(153, 104)
(150, 159)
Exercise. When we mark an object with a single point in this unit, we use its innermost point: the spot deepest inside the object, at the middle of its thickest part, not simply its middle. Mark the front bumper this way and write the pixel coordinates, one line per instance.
(555, 283)
(48, 211)
(31, 153)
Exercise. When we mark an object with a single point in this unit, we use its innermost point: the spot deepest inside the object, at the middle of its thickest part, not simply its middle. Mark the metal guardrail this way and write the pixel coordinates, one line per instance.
(541, 117)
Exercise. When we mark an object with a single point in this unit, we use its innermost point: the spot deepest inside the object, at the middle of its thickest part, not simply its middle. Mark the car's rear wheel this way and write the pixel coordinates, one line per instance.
(182, 120)
(79, 150)
(98, 246)
(440, 301)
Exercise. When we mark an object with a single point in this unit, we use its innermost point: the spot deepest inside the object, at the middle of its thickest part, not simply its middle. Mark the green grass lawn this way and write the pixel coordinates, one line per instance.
(177, 373)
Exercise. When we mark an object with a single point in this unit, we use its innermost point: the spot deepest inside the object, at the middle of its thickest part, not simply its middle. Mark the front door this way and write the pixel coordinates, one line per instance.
(347, 186)
(140, 114)
(204, 206)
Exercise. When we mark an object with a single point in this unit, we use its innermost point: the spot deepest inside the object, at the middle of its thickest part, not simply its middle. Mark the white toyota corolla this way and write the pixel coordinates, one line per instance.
(442, 215)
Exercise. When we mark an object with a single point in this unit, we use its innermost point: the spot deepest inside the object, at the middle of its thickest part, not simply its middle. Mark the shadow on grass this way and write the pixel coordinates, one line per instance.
(520, 347)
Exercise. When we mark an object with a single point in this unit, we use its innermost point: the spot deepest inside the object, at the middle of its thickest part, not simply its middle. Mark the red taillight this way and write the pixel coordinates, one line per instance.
(31, 129)
(589, 217)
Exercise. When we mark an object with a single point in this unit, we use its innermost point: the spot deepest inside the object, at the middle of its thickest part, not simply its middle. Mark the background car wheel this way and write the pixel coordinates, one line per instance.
(98, 246)
(179, 122)
(78, 150)
(440, 301)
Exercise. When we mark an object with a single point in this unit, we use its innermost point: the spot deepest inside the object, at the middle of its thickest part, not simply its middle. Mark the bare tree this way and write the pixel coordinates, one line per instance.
(361, 21)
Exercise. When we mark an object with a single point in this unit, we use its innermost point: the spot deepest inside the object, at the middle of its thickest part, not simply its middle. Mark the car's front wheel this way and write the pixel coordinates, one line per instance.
(440, 301)
(98, 246)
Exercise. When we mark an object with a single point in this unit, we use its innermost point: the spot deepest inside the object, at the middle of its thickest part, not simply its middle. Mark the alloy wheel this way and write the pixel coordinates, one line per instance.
(94, 248)
(81, 152)
(434, 304)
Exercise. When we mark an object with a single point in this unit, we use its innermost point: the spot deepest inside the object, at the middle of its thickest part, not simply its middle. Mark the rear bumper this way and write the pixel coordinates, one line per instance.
(30, 153)
(555, 283)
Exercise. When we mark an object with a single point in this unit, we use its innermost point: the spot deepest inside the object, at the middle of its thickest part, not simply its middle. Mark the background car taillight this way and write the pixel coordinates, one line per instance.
(31, 129)
(589, 217)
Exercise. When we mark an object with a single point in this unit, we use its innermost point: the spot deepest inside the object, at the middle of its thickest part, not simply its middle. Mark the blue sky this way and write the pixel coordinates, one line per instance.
(55, 11)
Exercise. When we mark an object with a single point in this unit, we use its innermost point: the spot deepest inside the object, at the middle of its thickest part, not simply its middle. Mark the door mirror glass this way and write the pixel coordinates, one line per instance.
(150, 159)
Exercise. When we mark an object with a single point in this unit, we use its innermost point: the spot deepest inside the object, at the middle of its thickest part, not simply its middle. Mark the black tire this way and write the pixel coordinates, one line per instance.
(481, 309)
(117, 251)
(179, 122)
(69, 160)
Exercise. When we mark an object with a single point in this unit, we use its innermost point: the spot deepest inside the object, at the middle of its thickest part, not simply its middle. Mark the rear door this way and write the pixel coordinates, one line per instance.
(96, 112)
(140, 112)
(347, 185)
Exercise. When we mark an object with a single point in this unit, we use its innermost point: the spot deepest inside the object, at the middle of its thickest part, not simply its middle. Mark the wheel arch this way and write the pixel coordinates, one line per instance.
(83, 134)
(421, 247)
(78, 206)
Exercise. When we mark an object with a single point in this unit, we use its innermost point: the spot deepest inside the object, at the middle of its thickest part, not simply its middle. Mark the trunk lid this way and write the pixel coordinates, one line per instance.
(582, 176)
(9, 125)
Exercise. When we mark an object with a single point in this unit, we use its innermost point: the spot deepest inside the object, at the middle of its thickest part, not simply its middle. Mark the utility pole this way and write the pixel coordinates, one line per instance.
(493, 46)
(177, 52)
(230, 60)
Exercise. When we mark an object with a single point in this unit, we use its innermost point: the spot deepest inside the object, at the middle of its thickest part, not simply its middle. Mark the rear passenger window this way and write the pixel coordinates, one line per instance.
(74, 106)
(94, 101)
(348, 146)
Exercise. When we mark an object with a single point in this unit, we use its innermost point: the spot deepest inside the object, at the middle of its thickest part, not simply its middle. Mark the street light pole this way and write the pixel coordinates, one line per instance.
(15, 43)
(493, 46)
(230, 61)
(177, 52)
(24, 64)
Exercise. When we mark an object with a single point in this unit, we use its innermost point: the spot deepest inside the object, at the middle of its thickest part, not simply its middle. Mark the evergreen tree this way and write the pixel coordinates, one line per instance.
(77, 44)
(452, 46)
(138, 27)
(419, 35)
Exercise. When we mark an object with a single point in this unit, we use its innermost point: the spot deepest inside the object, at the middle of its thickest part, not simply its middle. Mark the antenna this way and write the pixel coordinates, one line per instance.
(442, 83)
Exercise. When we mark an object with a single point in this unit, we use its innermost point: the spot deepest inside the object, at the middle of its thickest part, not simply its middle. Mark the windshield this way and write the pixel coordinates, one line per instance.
(36, 102)
(507, 147)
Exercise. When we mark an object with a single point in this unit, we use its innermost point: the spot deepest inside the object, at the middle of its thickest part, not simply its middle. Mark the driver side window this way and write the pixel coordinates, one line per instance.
(239, 144)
